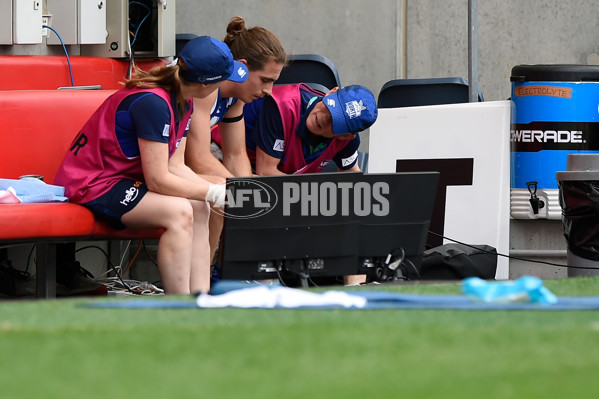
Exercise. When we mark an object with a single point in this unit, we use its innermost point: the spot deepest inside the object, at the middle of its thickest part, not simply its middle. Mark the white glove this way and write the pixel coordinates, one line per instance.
(217, 195)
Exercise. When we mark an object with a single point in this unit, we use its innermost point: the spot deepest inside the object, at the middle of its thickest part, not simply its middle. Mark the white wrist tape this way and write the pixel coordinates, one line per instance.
(216, 194)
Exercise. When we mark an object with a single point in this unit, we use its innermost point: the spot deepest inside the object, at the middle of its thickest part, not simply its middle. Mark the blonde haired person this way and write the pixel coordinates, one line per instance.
(127, 163)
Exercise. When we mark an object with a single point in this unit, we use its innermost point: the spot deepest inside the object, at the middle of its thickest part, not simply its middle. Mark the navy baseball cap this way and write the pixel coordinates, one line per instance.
(353, 109)
(208, 60)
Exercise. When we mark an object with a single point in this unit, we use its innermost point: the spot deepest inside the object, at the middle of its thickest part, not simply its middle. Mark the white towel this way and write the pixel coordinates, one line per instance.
(279, 297)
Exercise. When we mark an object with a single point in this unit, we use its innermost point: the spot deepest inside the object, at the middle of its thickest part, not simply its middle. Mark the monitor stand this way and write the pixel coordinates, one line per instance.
(299, 269)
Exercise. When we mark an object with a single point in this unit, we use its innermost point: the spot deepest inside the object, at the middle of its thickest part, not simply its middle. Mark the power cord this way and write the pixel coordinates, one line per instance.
(133, 259)
(512, 257)
(109, 263)
(126, 286)
(148, 254)
(143, 19)
(65, 52)
(130, 42)
(29, 258)
(390, 268)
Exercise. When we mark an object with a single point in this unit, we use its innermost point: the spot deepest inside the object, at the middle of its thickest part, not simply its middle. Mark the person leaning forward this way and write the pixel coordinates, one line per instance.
(264, 57)
(131, 170)
(300, 130)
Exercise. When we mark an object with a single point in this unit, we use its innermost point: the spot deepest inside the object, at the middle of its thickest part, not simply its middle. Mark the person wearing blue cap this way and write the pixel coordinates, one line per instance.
(300, 130)
(262, 52)
(127, 162)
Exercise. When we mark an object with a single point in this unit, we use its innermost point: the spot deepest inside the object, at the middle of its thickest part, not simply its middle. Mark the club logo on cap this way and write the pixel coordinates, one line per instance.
(354, 108)
(331, 102)
(241, 72)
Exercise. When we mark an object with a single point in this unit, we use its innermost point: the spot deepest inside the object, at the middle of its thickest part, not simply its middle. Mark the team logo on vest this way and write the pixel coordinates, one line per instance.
(331, 102)
(354, 108)
(350, 160)
(279, 145)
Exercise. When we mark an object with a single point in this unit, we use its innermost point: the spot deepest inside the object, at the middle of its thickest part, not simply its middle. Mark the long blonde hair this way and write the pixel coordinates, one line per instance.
(164, 77)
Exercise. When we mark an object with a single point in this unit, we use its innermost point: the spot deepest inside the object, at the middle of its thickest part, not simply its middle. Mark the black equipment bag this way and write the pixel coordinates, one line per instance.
(458, 261)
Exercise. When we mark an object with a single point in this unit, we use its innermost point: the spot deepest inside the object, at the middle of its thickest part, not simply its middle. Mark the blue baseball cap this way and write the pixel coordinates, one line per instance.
(353, 109)
(208, 60)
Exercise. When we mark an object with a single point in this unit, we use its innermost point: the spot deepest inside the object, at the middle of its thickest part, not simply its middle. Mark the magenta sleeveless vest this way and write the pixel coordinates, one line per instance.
(288, 99)
(95, 162)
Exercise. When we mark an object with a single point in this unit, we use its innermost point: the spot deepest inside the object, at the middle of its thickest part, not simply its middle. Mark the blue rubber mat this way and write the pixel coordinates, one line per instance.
(385, 300)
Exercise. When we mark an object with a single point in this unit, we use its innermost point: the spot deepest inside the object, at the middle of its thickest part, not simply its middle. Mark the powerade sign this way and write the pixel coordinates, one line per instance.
(538, 136)
(549, 121)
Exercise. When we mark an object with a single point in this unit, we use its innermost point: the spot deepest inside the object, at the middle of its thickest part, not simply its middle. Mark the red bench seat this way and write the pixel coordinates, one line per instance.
(37, 127)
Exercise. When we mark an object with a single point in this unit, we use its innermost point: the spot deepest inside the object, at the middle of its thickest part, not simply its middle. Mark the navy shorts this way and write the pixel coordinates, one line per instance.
(120, 199)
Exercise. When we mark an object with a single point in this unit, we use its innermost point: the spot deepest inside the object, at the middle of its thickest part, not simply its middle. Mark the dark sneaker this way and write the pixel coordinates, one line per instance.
(12, 281)
(76, 280)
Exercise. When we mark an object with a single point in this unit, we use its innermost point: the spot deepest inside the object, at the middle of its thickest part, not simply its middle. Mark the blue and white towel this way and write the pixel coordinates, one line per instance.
(30, 189)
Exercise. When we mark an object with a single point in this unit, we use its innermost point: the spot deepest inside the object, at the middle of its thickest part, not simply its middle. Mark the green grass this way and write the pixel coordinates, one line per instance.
(60, 349)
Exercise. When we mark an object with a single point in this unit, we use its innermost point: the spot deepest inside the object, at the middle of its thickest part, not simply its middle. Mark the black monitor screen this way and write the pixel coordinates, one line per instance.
(405, 228)
(322, 224)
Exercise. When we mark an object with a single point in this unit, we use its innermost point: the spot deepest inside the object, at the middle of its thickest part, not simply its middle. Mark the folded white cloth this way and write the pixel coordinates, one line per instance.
(279, 297)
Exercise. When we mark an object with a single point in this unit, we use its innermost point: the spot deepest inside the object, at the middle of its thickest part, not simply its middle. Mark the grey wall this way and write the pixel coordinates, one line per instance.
(363, 39)
(509, 33)
(359, 37)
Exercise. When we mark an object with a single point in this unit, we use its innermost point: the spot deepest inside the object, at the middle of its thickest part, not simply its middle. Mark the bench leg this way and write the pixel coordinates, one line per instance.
(45, 270)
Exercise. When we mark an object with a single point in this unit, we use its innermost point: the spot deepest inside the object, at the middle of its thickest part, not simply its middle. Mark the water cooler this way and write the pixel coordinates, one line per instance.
(555, 113)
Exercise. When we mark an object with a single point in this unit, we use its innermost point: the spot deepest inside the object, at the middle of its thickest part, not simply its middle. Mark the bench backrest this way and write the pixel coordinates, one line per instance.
(38, 126)
(49, 72)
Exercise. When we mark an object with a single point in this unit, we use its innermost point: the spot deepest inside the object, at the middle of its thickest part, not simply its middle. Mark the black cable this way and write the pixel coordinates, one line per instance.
(109, 263)
(309, 278)
(390, 266)
(131, 63)
(413, 267)
(29, 258)
(512, 257)
(280, 277)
